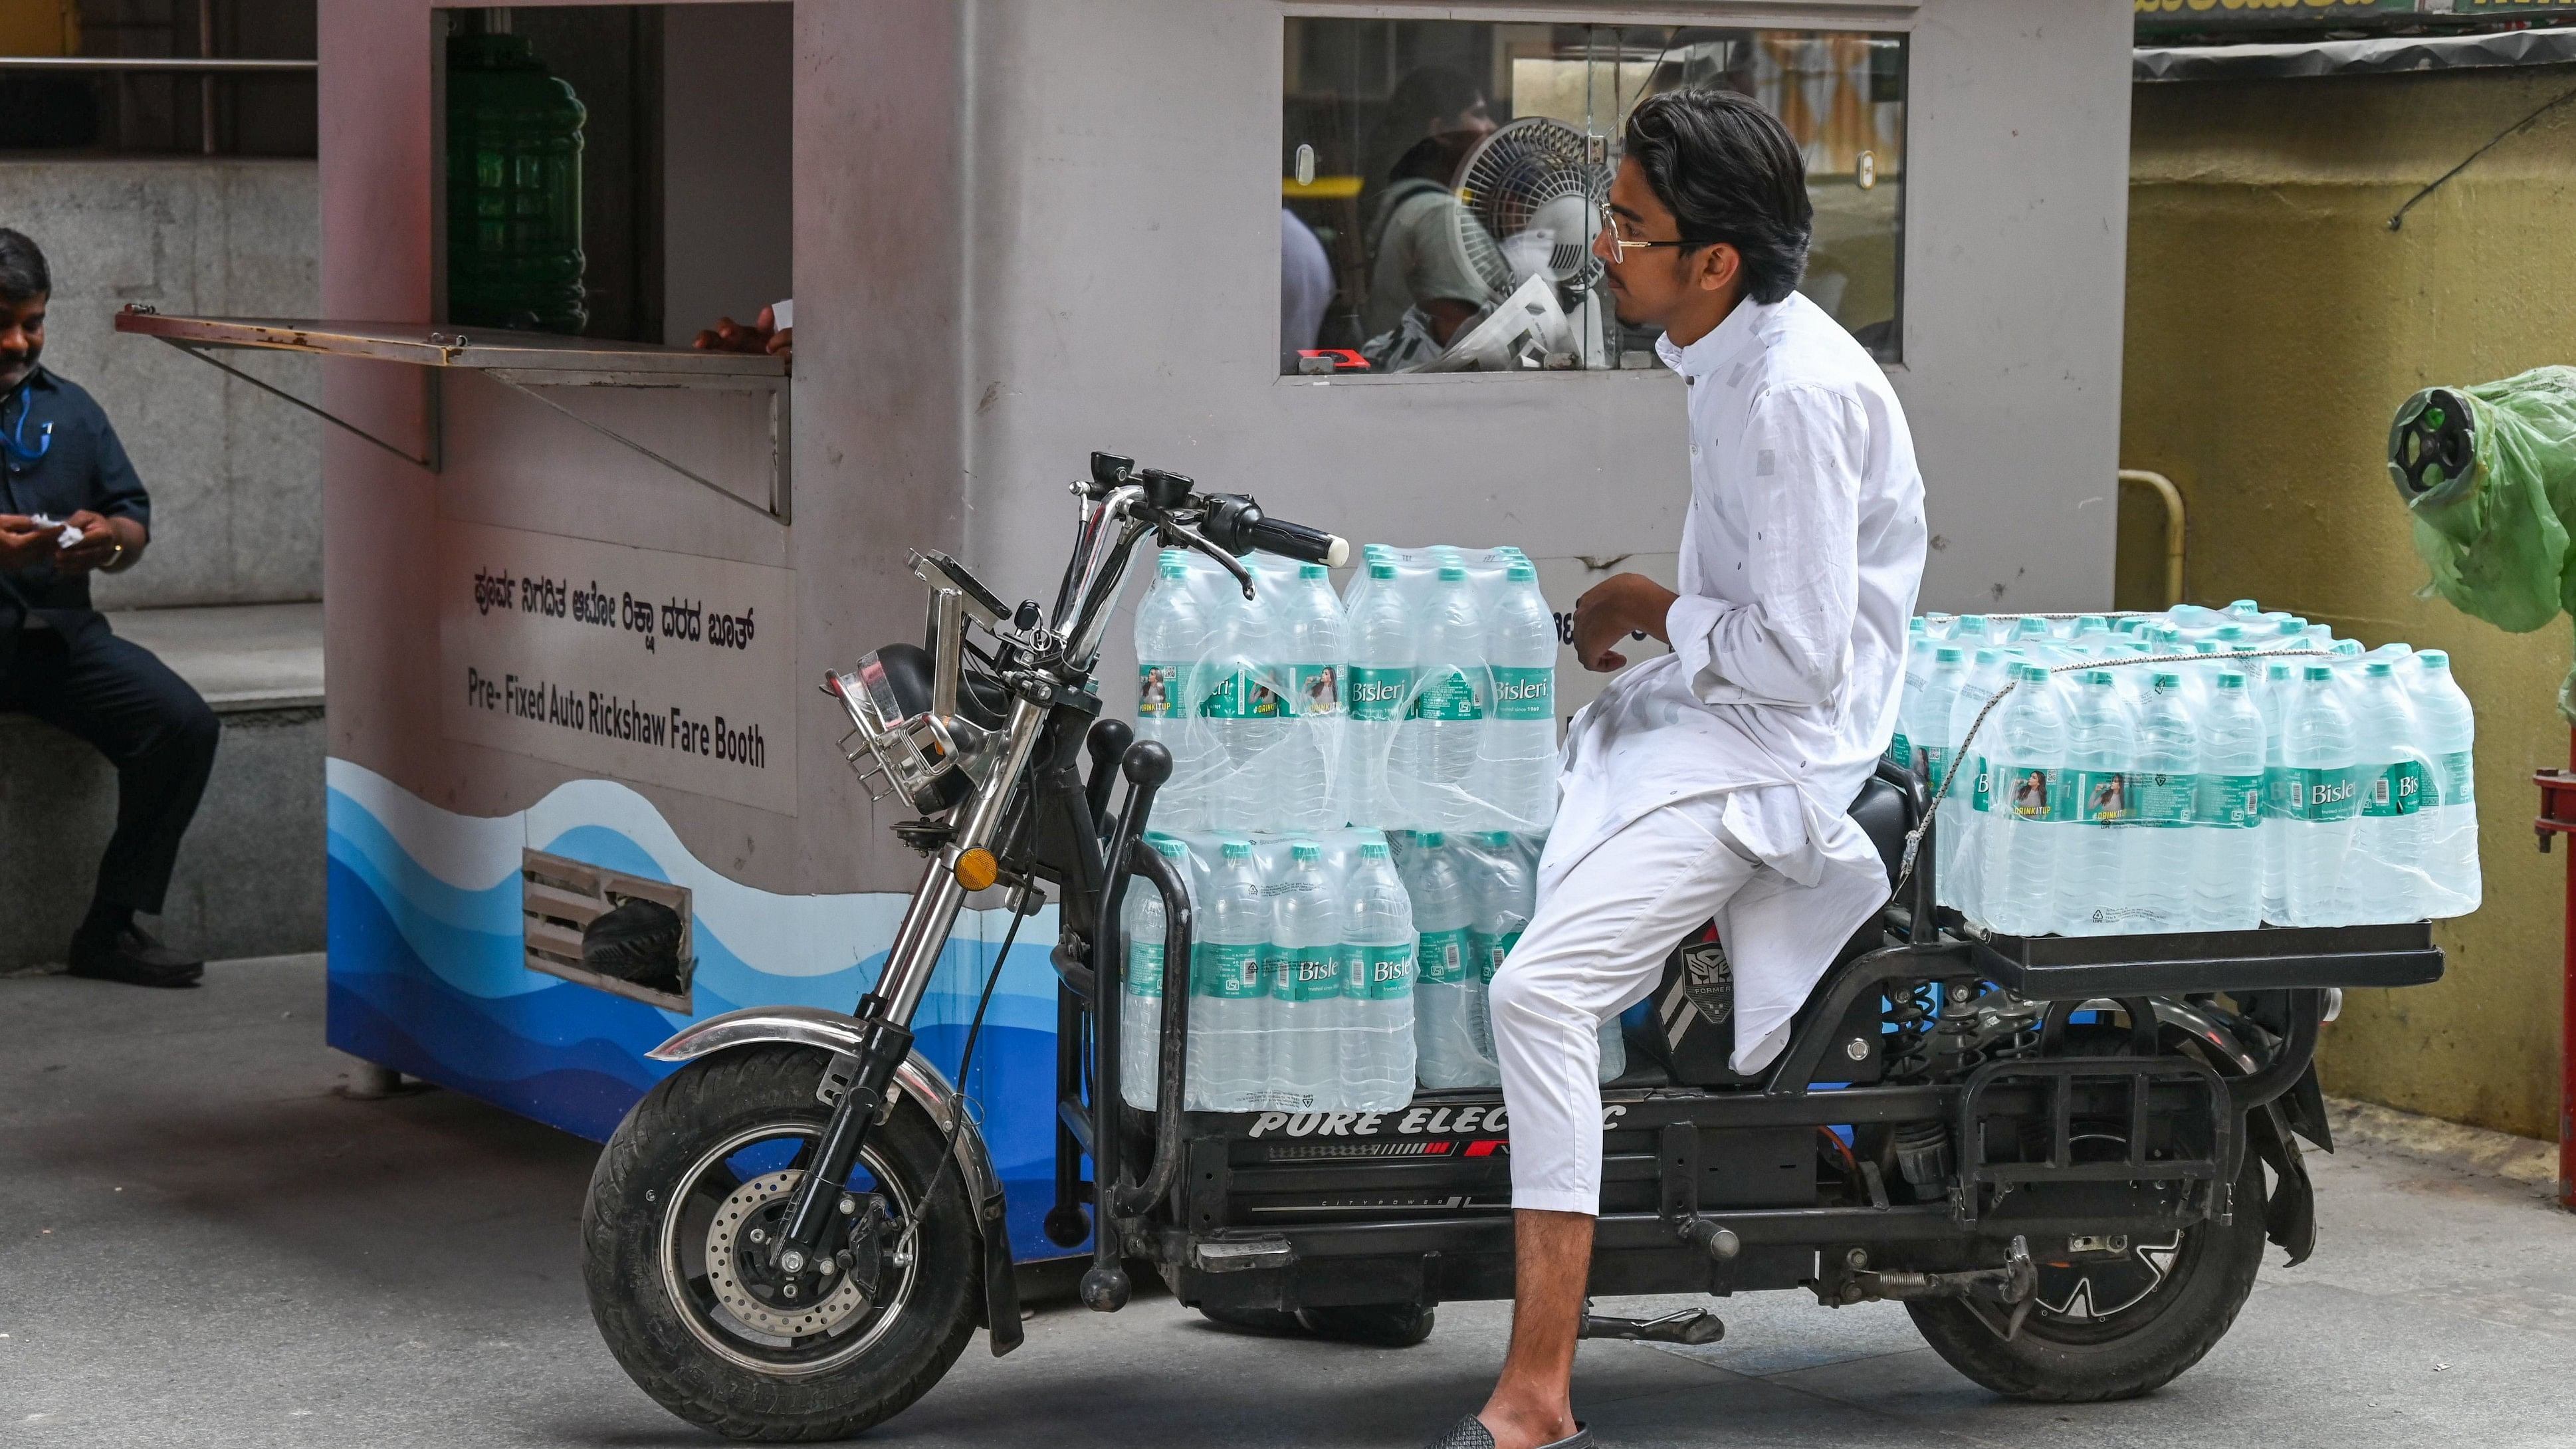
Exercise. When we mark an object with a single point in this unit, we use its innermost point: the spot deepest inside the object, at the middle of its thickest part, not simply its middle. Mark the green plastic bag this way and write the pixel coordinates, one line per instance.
(2489, 473)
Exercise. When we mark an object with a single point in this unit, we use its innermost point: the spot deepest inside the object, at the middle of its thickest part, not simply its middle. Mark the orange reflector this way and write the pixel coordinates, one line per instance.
(977, 869)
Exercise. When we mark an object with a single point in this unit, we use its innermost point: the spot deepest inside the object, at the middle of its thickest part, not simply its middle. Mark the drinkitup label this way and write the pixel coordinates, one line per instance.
(2095, 797)
(1158, 691)
(2400, 789)
(1145, 969)
(1231, 973)
(1449, 694)
(1524, 693)
(1444, 957)
(1240, 694)
(2030, 796)
(1308, 973)
(2160, 799)
(2229, 801)
(1379, 973)
(1378, 691)
(1314, 689)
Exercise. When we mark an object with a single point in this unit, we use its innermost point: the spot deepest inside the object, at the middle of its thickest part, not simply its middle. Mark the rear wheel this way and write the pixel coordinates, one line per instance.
(2114, 1317)
(696, 1181)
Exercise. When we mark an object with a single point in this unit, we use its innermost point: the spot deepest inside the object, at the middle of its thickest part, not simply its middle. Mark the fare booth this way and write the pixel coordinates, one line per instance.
(582, 581)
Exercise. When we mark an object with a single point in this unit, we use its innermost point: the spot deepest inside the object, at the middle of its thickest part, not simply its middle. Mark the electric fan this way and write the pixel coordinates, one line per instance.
(1529, 200)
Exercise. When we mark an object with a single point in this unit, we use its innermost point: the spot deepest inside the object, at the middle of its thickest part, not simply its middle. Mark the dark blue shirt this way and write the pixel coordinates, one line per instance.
(82, 465)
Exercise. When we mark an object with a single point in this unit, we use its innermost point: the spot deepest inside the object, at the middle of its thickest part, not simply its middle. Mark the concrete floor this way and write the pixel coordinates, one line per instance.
(201, 1244)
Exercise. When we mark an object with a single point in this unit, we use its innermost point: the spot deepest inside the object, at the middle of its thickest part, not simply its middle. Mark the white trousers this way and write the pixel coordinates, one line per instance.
(1595, 948)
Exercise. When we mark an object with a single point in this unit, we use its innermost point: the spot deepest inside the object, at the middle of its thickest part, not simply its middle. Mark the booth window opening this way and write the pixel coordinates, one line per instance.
(1441, 181)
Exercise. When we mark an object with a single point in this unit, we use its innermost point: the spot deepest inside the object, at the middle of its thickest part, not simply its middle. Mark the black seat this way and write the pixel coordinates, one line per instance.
(1883, 813)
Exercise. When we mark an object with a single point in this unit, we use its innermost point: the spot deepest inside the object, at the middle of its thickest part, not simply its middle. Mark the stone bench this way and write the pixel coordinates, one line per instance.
(250, 876)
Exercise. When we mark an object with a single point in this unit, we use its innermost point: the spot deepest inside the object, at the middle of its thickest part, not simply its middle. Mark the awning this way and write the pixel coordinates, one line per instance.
(2378, 55)
(530, 363)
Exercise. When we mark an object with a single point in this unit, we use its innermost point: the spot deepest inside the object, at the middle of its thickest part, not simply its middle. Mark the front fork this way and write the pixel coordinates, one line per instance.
(885, 1014)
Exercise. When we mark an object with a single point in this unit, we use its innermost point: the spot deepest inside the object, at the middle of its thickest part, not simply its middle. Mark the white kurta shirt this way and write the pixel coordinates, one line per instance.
(1800, 558)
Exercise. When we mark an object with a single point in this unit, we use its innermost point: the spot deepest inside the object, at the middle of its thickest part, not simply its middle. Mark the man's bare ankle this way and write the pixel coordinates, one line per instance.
(1517, 1425)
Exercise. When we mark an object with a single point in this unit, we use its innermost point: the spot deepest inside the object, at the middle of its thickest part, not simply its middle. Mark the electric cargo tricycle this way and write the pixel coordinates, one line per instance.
(2053, 1151)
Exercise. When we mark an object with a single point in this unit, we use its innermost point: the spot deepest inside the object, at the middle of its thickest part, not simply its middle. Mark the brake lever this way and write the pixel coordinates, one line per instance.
(1199, 541)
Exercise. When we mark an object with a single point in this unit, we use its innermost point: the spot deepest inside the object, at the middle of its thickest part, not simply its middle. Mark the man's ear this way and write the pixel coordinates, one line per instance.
(1717, 266)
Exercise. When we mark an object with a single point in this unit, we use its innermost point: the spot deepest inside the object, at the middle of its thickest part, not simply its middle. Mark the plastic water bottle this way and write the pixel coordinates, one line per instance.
(1449, 991)
(2450, 737)
(1967, 814)
(1173, 641)
(1310, 756)
(1380, 644)
(2227, 818)
(2384, 879)
(1446, 721)
(1519, 744)
(1501, 897)
(2101, 742)
(1229, 1056)
(1929, 730)
(2028, 820)
(1377, 1054)
(1307, 998)
(1140, 1010)
(1244, 705)
(1918, 673)
(2321, 801)
(2279, 683)
(2163, 788)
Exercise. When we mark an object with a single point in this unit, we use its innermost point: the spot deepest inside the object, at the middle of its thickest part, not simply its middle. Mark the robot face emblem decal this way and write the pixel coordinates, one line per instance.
(1706, 991)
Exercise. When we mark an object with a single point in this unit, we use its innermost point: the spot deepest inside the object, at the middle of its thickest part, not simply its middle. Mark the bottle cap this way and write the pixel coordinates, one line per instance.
(2377, 669)
(2231, 680)
(1520, 571)
(1237, 850)
(1970, 624)
(1451, 573)
(2100, 678)
(2344, 647)
(1305, 852)
(2168, 681)
(1169, 847)
(2318, 672)
(2031, 674)
(1174, 566)
(1950, 654)
(1989, 656)
(2231, 631)
(1431, 840)
(1313, 571)
(1916, 625)
(1495, 839)
(2434, 658)
(1175, 556)
(2031, 629)
(2245, 606)
(1373, 850)
(1381, 568)
(2276, 671)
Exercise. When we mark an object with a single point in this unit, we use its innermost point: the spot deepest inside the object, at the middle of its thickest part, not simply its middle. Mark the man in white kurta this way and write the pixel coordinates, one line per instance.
(1714, 781)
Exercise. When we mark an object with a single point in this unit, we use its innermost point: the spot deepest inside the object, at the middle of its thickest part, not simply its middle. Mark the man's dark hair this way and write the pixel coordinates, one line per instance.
(1730, 173)
(22, 268)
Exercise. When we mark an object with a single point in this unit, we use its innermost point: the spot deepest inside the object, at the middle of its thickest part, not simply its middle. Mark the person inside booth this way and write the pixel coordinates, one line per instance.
(1422, 289)
(70, 507)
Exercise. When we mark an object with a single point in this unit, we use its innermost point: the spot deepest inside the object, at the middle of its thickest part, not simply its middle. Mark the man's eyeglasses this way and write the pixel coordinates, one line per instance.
(1617, 228)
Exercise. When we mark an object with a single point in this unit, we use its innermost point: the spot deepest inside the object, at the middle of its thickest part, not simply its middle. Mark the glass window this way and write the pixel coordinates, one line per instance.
(1441, 180)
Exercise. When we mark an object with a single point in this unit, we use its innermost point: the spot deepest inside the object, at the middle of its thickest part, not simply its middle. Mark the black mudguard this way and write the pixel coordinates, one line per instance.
(1001, 1288)
(2290, 1217)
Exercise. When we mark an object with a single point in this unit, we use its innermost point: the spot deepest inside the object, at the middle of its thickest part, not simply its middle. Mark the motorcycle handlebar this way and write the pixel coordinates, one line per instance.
(1235, 523)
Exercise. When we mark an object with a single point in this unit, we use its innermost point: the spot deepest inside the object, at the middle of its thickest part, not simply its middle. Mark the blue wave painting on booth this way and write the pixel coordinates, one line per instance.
(427, 970)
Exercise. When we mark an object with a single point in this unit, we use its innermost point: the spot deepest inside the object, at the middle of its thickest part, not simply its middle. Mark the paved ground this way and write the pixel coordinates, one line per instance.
(201, 1244)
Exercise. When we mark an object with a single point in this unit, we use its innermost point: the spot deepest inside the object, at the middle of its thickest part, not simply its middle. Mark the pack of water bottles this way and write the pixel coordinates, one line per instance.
(1425, 701)
(2198, 769)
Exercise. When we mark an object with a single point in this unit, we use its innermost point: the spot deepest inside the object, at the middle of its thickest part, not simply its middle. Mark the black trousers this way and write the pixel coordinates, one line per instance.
(149, 723)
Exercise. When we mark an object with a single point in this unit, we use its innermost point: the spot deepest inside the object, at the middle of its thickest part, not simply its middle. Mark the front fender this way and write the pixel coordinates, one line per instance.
(833, 1031)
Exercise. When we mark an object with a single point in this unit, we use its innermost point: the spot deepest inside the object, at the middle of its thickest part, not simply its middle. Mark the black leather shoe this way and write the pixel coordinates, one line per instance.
(133, 957)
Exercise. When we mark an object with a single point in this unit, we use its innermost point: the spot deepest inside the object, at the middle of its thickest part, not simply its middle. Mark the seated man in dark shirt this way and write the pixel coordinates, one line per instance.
(70, 505)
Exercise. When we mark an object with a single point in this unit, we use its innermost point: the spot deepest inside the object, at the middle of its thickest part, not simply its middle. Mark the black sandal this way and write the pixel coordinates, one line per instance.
(1471, 1433)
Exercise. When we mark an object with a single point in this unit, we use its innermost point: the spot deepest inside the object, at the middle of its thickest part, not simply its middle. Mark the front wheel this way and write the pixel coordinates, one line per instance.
(697, 1179)
(2115, 1317)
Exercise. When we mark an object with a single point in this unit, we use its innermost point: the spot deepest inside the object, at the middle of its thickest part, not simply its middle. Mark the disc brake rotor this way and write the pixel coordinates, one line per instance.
(765, 1310)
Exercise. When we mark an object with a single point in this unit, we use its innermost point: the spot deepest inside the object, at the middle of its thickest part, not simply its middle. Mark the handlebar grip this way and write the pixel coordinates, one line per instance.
(1297, 541)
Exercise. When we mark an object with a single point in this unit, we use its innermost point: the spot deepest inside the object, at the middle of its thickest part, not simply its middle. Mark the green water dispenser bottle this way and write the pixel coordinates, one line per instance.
(514, 255)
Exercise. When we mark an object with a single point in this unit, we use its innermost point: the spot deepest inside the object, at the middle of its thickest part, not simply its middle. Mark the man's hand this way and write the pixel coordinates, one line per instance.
(1611, 610)
(763, 335)
(99, 543)
(24, 542)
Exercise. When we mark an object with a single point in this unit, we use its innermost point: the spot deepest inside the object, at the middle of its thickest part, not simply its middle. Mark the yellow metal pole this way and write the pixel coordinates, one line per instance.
(2172, 497)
